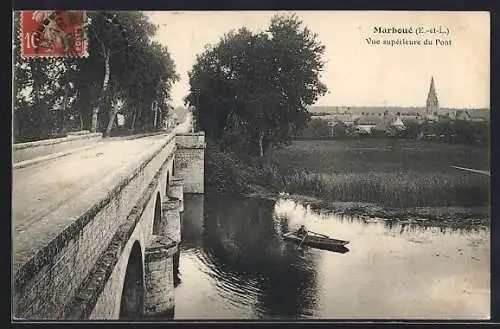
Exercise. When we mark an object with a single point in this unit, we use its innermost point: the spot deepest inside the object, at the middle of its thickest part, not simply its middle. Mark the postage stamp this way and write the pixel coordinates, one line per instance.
(52, 33)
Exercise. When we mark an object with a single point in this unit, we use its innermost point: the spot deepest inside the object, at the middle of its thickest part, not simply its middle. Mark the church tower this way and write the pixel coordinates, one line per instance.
(432, 105)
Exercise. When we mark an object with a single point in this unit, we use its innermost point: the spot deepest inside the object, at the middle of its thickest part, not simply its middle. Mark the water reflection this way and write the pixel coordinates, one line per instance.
(234, 264)
(192, 221)
(247, 259)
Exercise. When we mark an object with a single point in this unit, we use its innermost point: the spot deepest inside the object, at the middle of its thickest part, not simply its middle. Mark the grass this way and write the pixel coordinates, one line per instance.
(388, 173)
(379, 155)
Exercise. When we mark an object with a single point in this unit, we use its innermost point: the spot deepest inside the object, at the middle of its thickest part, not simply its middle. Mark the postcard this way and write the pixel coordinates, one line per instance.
(251, 165)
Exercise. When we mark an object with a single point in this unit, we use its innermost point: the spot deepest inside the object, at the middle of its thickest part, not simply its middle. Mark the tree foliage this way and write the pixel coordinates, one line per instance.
(316, 128)
(124, 65)
(251, 90)
(40, 87)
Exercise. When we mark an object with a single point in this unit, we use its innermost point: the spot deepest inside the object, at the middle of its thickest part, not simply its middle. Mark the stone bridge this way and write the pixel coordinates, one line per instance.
(96, 224)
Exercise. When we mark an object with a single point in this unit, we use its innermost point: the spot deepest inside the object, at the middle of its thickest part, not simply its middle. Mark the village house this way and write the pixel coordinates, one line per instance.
(390, 125)
(333, 119)
(365, 124)
(393, 120)
(386, 123)
(466, 115)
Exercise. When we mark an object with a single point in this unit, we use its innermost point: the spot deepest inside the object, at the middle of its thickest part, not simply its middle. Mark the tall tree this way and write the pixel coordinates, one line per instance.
(124, 66)
(257, 86)
(107, 37)
(147, 80)
(142, 68)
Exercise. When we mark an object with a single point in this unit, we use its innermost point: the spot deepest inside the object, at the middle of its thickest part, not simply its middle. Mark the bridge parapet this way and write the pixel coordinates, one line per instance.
(32, 150)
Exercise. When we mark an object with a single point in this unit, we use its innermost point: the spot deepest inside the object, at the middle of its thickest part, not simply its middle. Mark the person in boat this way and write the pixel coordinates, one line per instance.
(302, 231)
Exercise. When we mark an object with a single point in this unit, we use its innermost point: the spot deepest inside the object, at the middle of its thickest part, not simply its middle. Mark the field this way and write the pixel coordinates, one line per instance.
(389, 173)
(380, 155)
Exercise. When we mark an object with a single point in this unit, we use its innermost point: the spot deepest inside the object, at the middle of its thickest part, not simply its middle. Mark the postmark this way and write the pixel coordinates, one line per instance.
(53, 33)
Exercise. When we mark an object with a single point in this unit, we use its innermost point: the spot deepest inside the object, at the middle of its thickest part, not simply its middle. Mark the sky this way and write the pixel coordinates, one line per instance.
(357, 73)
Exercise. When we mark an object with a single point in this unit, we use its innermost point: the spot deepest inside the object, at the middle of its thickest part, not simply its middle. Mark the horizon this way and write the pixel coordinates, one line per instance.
(384, 106)
(400, 107)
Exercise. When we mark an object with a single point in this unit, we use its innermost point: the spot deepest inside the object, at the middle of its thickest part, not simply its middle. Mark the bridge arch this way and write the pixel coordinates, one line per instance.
(132, 298)
(157, 225)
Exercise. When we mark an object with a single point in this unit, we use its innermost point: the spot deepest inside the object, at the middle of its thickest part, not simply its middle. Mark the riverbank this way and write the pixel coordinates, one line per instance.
(450, 217)
(405, 182)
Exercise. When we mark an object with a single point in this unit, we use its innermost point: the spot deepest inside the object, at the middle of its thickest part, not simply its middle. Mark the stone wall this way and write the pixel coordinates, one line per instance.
(31, 150)
(190, 161)
(190, 140)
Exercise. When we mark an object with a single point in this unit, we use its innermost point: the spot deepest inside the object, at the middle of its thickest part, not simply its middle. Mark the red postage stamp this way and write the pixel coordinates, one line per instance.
(52, 33)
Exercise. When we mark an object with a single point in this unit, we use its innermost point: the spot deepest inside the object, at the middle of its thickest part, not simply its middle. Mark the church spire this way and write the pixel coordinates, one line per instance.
(432, 104)
(432, 89)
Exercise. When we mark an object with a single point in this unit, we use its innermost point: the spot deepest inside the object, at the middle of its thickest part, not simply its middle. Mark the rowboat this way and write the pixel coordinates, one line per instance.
(316, 240)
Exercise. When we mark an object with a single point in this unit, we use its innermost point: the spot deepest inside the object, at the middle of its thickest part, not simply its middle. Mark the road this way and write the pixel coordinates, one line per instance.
(39, 190)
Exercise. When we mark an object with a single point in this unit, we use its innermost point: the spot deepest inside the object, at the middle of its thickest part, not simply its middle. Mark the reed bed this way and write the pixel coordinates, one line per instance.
(395, 190)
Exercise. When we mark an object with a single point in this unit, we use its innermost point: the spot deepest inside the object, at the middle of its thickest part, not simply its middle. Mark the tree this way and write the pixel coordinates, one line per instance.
(148, 79)
(316, 128)
(413, 130)
(124, 65)
(40, 86)
(482, 132)
(118, 39)
(465, 131)
(256, 87)
(106, 38)
(340, 129)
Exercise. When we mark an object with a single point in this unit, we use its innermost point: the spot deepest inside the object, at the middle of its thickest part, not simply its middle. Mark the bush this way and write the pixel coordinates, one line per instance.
(316, 128)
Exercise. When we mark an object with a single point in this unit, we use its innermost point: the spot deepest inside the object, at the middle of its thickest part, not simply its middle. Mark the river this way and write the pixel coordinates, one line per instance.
(235, 265)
